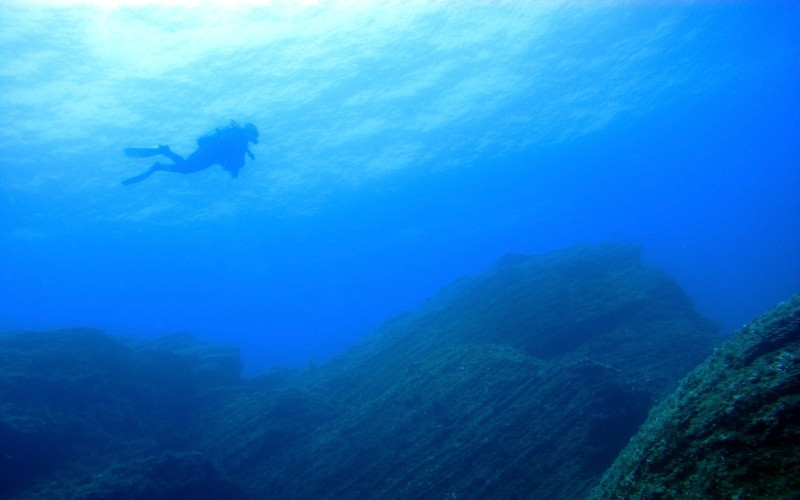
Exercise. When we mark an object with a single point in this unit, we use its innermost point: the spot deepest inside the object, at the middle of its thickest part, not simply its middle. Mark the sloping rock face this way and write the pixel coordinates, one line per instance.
(731, 430)
(84, 415)
(524, 381)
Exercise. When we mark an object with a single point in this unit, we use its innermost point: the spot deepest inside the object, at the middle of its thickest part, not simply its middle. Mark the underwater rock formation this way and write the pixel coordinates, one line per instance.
(85, 415)
(731, 430)
(524, 381)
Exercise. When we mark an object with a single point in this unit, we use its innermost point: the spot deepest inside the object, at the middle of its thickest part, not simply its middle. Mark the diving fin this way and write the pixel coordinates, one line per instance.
(142, 152)
(138, 178)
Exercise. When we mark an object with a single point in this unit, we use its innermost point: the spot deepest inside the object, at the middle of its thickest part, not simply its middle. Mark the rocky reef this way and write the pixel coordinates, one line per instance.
(524, 381)
(731, 430)
(85, 415)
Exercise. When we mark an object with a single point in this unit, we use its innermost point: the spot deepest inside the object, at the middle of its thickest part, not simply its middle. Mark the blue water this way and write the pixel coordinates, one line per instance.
(402, 146)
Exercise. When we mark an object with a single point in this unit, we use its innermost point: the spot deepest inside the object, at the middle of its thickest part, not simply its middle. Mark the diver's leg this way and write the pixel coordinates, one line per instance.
(142, 152)
(175, 157)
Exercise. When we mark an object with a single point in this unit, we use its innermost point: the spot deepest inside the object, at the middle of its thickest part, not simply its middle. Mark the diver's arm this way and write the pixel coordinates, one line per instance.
(249, 153)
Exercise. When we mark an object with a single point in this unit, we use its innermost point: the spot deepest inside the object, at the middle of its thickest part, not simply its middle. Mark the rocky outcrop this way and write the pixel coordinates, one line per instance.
(731, 430)
(523, 381)
(79, 408)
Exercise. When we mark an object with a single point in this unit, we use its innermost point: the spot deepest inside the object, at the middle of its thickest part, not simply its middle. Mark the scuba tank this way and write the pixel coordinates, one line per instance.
(216, 134)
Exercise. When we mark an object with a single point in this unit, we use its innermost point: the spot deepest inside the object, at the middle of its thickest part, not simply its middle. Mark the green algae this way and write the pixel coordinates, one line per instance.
(731, 430)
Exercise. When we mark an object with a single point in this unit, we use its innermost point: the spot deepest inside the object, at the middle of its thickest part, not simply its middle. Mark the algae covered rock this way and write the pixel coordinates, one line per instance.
(732, 429)
(166, 476)
(78, 404)
(523, 381)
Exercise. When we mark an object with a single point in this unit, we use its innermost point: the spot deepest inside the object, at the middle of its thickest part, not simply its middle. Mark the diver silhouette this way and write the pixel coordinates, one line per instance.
(222, 146)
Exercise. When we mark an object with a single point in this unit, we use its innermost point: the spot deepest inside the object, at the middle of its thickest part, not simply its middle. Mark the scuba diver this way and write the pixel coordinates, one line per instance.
(223, 146)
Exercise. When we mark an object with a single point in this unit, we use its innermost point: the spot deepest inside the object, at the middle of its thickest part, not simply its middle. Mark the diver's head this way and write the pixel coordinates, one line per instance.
(252, 132)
